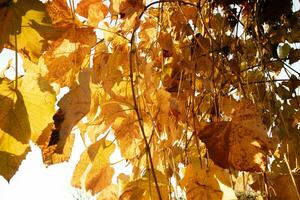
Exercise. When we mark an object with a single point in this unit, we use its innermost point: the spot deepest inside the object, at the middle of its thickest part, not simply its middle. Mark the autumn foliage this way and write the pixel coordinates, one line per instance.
(199, 96)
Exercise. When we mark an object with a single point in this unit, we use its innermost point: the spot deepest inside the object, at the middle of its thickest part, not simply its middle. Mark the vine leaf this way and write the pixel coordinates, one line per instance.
(12, 152)
(24, 113)
(71, 51)
(60, 13)
(30, 21)
(75, 105)
(242, 143)
(48, 145)
(110, 192)
(144, 187)
(128, 137)
(125, 8)
(94, 167)
(206, 183)
(93, 10)
(68, 55)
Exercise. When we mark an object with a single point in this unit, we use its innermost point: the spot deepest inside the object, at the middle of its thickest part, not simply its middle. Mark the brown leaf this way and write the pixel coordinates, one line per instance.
(59, 12)
(242, 143)
(68, 55)
(75, 105)
(48, 145)
(216, 138)
(287, 192)
(125, 7)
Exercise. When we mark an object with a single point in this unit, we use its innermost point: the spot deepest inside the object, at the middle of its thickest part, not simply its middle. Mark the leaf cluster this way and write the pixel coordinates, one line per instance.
(189, 91)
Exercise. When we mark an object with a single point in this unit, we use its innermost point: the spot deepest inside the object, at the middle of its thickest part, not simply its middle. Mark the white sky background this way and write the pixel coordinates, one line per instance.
(34, 181)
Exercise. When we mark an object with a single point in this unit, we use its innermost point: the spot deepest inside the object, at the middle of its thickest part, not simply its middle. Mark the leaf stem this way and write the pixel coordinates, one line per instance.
(292, 177)
(139, 116)
(16, 60)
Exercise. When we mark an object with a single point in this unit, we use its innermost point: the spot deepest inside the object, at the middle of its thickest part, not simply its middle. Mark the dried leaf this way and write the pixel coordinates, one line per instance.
(75, 105)
(93, 169)
(60, 13)
(94, 10)
(242, 143)
(68, 55)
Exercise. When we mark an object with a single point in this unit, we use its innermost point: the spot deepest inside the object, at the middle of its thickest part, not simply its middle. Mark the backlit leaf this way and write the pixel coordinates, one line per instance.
(74, 105)
(93, 10)
(24, 113)
(242, 143)
(93, 171)
(28, 20)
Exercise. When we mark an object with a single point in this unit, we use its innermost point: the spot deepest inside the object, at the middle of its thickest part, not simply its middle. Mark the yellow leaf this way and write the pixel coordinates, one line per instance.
(68, 55)
(130, 23)
(111, 192)
(93, 169)
(31, 24)
(208, 182)
(147, 34)
(144, 188)
(112, 34)
(24, 113)
(128, 138)
(12, 152)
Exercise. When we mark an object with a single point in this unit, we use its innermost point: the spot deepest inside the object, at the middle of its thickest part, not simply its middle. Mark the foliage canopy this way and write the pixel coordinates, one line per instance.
(191, 91)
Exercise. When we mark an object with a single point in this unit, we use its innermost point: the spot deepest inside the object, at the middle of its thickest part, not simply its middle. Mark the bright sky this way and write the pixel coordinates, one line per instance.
(34, 181)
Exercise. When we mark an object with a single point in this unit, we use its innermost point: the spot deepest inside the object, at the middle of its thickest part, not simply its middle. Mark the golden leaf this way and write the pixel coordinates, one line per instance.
(24, 113)
(68, 55)
(60, 13)
(12, 153)
(75, 105)
(29, 22)
(94, 168)
(242, 143)
(48, 145)
(207, 183)
(108, 67)
(144, 188)
(163, 102)
(94, 10)
(147, 34)
(130, 23)
(128, 138)
(125, 7)
(111, 192)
